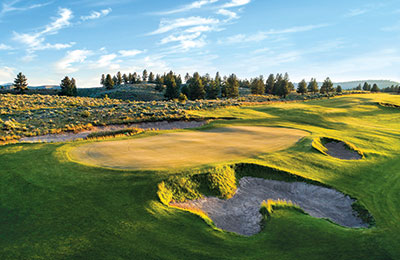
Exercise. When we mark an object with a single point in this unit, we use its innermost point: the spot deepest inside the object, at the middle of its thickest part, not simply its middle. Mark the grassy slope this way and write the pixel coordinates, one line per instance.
(52, 208)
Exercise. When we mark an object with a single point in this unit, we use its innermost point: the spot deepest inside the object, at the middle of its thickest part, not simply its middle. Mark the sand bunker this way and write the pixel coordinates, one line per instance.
(340, 150)
(241, 215)
(184, 149)
(66, 137)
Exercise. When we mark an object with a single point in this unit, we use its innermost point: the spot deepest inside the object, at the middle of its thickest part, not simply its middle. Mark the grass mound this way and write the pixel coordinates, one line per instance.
(321, 144)
(268, 207)
(115, 133)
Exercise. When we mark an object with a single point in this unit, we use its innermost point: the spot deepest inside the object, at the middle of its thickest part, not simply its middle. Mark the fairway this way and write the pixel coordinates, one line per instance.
(184, 149)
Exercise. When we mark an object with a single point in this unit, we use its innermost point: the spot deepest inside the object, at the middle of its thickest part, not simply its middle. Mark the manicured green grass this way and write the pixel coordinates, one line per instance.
(53, 208)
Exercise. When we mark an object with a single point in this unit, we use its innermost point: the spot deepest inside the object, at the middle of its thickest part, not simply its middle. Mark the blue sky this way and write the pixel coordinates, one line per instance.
(343, 39)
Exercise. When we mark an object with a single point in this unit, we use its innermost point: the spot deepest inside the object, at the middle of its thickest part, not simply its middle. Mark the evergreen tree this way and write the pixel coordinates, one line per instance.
(115, 80)
(313, 86)
(327, 86)
(213, 90)
(145, 75)
(159, 83)
(178, 81)
(172, 91)
(257, 86)
(109, 82)
(185, 89)
(232, 87)
(151, 77)
(282, 86)
(269, 85)
(358, 87)
(68, 87)
(134, 78)
(20, 83)
(119, 79)
(196, 87)
(366, 87)
(375, 88)
(339, 89)
(131, 79)
(103, 79)
(125, 78)
(277, 84)
(187, 77)
(302, 87)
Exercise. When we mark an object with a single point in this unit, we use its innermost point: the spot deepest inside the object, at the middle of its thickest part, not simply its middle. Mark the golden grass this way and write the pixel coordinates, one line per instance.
(186, 149)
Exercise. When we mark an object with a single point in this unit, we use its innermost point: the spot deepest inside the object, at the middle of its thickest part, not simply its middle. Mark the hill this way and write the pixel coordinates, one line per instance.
(354, 84)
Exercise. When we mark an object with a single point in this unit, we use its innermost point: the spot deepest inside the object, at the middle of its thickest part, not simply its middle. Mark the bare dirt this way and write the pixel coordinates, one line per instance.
(241, 215)
(66, 137)
(340, 150)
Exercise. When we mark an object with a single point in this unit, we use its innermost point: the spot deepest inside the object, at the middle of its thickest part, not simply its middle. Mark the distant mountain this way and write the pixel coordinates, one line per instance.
(354, 84)
(48, 87)
(45, 87)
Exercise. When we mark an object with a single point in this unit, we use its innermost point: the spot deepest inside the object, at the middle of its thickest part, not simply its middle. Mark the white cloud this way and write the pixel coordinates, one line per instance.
(6, 73)
(260, 36)
(231, 15)
(193, 5)
(235, 3)
(169, 25)
(356, 12)
(96, 15)
(107, 61)
(36, 41)
(4, 47)
(10, 7)
(72, 57)
(129, 53)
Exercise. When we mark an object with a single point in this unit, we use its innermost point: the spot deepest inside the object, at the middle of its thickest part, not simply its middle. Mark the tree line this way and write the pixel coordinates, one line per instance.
(368, 87)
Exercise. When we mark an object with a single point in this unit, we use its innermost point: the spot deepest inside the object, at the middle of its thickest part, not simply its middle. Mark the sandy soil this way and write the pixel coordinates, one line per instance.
(339, 150)
(241, 215)
(186, 149)
(160, 125)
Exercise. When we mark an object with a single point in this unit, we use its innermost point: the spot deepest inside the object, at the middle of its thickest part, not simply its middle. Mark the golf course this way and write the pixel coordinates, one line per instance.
(118, 197)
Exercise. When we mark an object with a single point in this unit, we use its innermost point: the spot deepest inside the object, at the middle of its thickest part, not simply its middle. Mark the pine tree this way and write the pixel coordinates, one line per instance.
(187, 77)
(103, 79)
(277, 84)
(327, 86)
(366, 87)
(20, 83)
(339, 89)
(125, 78)
(172, 91)
(196, 87)
(375, 88)
(302, 87)
(232, 87)
(257, 86)
(109, 82)
(145, 75)
(269, 85)
(151, 77)
(358, 87)
(134, 78)
(68, 87)
(118, 80)
(313, 86)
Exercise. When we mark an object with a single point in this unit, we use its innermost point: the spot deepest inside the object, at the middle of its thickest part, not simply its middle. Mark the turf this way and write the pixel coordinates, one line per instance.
(53, 208)
(186, 149)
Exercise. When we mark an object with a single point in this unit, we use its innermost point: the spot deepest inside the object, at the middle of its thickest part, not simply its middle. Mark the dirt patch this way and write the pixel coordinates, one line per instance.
(340, 150)
(159, 125)
(241, 214)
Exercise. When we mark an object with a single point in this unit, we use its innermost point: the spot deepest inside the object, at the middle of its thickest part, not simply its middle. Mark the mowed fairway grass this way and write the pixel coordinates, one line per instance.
(185, 149)
(52, 207)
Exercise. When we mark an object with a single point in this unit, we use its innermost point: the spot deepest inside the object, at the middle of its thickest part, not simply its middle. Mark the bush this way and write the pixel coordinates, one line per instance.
(222, 180)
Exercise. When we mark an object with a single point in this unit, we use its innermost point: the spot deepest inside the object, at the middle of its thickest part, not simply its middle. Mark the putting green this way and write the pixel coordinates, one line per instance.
(185, 149)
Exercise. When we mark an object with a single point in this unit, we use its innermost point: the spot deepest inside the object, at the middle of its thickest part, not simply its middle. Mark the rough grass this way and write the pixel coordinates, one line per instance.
(53, 208)
(187, 148)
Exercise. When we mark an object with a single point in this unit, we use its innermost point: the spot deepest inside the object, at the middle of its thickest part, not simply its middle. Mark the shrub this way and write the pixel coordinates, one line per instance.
(222, 180)
(164, 194)
(115, 133)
